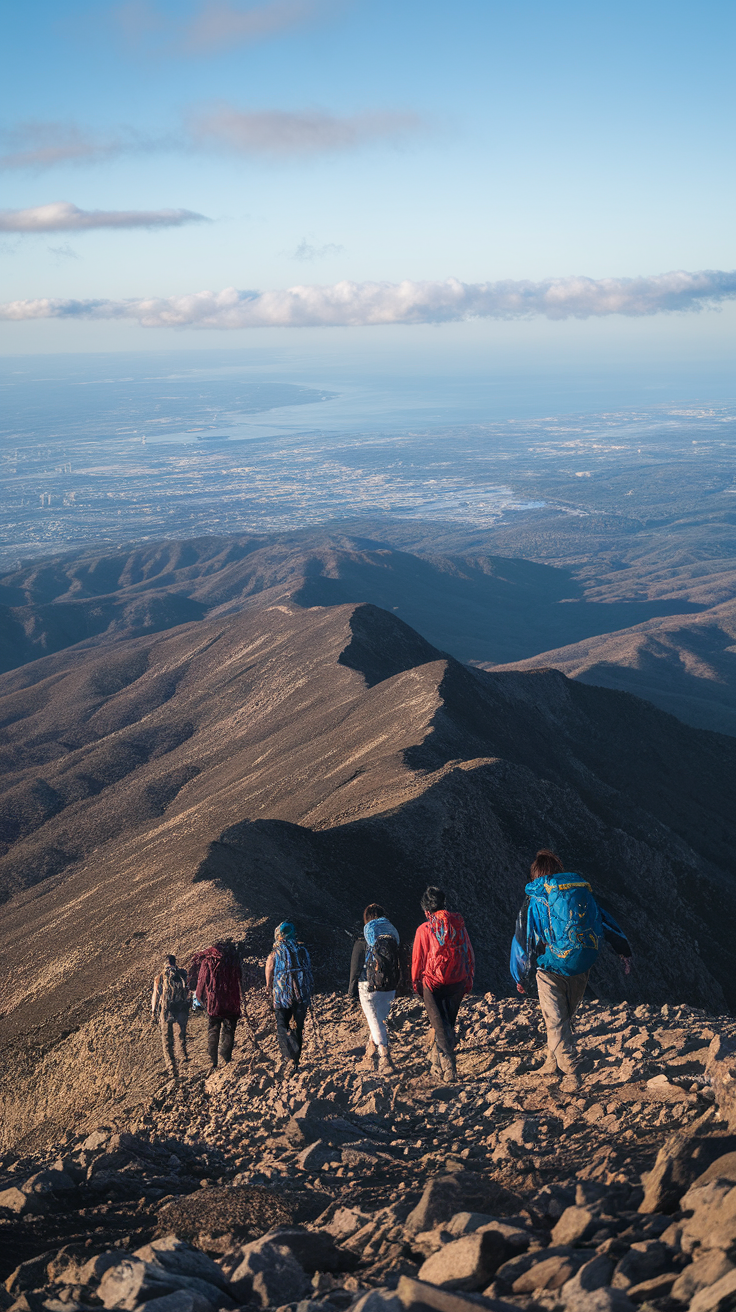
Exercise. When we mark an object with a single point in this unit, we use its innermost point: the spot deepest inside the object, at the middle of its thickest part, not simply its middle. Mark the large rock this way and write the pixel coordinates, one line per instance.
(680, 1162)
(722, 1168)
(444, 1195)
(16, 1201)
(48, 1182)
(720, 1297)
(269, 1275)
(510, 1271)
(173, 1254)
(574, 1223)
(700, 1274)
(551, 1273)
(595, 1274)
(721, 1067)
(132, 1282)
(417, 1296)
(642, 1262)
(31, 1274)
(466, 1263)
(600, 1300)
(713, 1220)
(314, 1121)
(314, 1250)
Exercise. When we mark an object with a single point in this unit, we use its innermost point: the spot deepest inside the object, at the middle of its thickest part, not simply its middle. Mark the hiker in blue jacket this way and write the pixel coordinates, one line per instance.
(559, 933)
(289, 979)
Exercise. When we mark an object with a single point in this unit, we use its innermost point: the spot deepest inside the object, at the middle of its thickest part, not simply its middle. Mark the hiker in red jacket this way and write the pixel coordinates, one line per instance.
(215, 977)
(442, 970)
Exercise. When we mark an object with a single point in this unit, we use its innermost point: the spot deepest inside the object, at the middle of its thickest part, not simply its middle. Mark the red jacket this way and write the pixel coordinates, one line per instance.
(443, 953)
(218, 983)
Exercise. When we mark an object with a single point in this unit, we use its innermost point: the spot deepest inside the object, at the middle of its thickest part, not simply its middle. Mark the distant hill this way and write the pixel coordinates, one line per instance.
(299, 763)
(482, 608)
(684, 665)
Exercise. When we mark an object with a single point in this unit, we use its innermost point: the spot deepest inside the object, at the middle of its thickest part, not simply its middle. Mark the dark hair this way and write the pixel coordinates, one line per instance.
(372, 912)
(546, 863)
(171, 959)
(433, 899)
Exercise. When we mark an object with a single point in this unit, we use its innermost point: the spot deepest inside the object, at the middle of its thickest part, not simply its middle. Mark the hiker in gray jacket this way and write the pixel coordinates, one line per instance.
(374, 978)
(170, 1011)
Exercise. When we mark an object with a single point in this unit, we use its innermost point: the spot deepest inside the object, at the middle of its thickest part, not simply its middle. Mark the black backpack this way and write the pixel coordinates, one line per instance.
(383, 964)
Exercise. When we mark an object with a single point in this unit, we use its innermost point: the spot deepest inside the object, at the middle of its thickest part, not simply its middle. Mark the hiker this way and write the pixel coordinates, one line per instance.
(215, 977)
(170, 1011)
(375, 973)
(442, 970)
(559, 932)
(289, 975)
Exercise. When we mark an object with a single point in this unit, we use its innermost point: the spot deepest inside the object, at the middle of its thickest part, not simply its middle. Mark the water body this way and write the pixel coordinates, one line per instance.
(103, 449)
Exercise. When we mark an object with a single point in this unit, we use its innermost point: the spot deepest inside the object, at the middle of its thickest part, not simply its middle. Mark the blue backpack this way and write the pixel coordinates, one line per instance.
(574, 928)
(292, 974)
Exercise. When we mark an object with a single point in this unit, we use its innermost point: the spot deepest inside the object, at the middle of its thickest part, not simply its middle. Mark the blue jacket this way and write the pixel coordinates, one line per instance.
(529, 944)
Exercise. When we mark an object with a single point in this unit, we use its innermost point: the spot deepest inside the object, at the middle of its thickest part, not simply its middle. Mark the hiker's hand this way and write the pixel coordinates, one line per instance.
(519, 989)
(626, 963)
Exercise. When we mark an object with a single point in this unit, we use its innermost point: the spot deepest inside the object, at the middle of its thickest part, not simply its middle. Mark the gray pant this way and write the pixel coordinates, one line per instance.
(174, 1033)
(559, 997)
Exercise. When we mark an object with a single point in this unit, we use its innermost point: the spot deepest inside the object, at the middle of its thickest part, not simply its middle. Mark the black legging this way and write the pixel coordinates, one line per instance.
(443, 1004)
(221, 1034)
(290, 1041)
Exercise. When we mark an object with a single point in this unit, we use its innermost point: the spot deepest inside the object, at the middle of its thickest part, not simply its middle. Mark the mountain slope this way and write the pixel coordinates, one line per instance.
(684, 665)
(290, 763)
(481, 608)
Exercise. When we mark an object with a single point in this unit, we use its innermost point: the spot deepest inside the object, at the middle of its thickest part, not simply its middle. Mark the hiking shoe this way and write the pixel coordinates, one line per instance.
(448, 1068)
(549, 1069)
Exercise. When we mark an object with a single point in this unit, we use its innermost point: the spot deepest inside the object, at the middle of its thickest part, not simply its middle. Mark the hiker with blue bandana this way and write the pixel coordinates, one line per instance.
(289, 976)
(559, 932)
(375, 973)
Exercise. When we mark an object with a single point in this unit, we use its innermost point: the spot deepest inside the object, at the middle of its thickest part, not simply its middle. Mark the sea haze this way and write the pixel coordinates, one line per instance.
(107, 449)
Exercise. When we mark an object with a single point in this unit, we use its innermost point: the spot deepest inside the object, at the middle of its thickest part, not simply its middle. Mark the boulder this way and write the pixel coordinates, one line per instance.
(31, 1274)
(701, 1273)
(444, 1195)
(416, 1296)
(574, 1223)
(595, 1274)
(657, 1287)
(680, 1162)
(510, 1270)
(19, 1203)
(345, 1222)
(48, 1182)
(720, 1297)
(550, 1273)
(376, 1300)
(642, 1262)
(311, 1123)
(721, 1068)
(713, 1220)
(466, 1263)
(314, 1250)
(175, 1255)
(132, 1281)
(722, 1167)
(269, 1275)
(95, 1268)
(600, 1300)
(316, 1155)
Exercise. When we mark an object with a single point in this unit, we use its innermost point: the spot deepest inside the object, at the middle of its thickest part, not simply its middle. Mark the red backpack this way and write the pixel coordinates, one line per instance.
(448, 958)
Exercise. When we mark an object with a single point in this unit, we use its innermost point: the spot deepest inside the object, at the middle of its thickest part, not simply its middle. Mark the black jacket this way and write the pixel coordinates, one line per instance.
(357, 966)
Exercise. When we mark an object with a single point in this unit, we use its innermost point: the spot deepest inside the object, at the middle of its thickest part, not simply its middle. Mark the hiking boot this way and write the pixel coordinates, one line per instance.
(571, 1082)
(549, 1069)
(448, 1068)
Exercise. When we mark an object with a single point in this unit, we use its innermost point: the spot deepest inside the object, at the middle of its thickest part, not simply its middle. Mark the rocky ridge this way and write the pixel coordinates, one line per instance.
(338, 1189)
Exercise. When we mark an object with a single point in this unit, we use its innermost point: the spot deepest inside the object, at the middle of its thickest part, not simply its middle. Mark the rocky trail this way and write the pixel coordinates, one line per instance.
(338, 1188)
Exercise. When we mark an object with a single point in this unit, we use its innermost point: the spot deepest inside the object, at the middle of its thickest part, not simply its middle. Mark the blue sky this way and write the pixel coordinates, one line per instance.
(368, 142)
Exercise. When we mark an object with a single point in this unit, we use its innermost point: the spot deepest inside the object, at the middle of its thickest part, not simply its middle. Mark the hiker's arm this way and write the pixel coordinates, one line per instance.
(357, 962)
(155, 995)
(418, 959)
(269, 971)
(614, 935)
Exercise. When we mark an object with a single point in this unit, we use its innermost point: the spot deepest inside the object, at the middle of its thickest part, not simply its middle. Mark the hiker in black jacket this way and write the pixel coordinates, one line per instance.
(374, 977)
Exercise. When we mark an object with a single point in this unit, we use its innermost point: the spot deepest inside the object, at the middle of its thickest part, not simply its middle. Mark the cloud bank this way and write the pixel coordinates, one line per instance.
(61, 216)
(281, 133)
(352, 305)
(41, 145)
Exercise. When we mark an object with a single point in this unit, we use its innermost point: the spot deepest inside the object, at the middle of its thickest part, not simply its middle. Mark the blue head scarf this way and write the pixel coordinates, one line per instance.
(283, 931)
(375, 928)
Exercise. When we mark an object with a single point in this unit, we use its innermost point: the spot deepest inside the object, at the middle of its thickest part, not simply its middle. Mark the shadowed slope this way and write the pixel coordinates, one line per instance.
(684, 665)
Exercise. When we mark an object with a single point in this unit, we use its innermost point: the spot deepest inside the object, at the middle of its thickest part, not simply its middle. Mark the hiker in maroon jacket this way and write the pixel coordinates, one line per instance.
(442, 970)
(215, 977)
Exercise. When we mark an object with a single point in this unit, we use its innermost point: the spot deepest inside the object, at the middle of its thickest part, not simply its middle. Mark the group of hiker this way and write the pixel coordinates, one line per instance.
(559, 933)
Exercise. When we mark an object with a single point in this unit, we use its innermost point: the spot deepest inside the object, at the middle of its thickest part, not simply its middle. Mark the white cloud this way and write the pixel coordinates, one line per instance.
(306, 251)
(40, 145)
(350, 304)
(61, 216)
(284, 133)
(215, 25)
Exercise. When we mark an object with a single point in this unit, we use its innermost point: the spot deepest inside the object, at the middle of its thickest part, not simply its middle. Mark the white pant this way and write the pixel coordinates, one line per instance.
(376, 1007)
